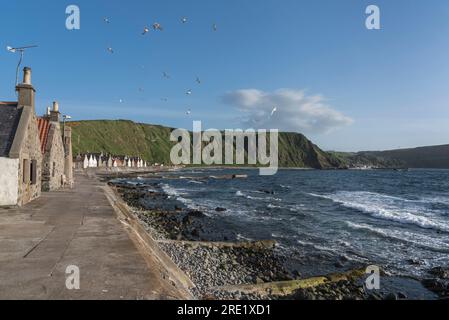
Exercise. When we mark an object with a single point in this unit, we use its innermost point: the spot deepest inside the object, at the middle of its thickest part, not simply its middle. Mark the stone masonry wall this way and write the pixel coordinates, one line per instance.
(30, 151)
(53, 161)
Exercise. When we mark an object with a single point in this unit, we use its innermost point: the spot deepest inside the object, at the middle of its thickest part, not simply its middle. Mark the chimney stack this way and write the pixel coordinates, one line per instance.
(54, 114)
(55, 106)
(48, 112)
(25, 90)
(27, 76)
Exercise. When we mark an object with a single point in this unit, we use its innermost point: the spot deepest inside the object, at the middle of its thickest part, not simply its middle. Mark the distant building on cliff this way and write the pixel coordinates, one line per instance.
(32, 152)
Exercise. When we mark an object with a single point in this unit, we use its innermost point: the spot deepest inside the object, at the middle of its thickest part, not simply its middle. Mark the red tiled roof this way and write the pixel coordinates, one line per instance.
(43, 127)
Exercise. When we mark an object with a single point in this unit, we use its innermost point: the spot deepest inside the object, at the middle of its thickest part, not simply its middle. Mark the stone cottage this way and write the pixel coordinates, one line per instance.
(54, 174)
(20, 147)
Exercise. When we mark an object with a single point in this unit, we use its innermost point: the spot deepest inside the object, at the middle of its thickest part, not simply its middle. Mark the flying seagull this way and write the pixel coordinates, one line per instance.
(106, 20)
(120, 100)
(157, 26)
(110, 50)
(198, 80)
(189, 112)
(189, 92)
(145, 30)
(274, 110)
(215, 27)
(164, 99)
(184, 19)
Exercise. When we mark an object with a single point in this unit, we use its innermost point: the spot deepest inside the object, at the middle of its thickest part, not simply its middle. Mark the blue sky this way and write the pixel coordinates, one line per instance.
(345, 87)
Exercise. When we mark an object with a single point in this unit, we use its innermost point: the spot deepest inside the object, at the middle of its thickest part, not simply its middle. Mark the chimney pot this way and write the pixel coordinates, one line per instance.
(27, 75)
(55, 106)
(48, 111)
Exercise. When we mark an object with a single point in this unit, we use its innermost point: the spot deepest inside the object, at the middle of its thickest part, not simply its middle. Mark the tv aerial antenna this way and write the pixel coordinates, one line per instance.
(20, 50)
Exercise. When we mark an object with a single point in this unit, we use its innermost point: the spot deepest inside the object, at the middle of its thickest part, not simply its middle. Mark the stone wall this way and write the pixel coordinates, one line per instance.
(8, 181)
(30, 151)
(53, 161)
(68, 165)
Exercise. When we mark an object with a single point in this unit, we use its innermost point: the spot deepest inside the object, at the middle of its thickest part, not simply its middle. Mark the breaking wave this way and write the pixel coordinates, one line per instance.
(423, 241)
(389, 208)
(178, 195)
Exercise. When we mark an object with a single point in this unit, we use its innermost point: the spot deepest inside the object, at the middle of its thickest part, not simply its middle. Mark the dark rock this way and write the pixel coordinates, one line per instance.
(218, 209)
(296, 274)
(438, 286)
(402, 295)
(195, 233)
(187, 220)
(338, 264)
(391, 296)
(195, 213)
(440, 272)
(414, 262)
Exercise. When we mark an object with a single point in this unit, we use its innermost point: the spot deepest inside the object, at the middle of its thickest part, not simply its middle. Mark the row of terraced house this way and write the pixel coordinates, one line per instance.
(100, 160)
(35, 152)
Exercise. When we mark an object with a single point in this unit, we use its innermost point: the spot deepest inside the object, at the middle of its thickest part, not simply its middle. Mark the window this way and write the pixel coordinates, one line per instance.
(26, 171)
(33, 172)
(54, 170)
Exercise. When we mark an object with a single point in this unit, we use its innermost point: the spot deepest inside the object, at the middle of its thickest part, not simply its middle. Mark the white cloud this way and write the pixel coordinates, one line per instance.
(296, 111)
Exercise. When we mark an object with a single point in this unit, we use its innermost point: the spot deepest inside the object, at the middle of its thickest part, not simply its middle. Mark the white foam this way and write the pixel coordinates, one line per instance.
(420, 240)
(436, 199)
(195, 182)
(240, 237)
(178, 195)
(388, 208)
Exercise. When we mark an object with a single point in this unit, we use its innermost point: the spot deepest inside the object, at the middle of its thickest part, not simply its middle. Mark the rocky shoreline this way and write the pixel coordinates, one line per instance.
(213, 267)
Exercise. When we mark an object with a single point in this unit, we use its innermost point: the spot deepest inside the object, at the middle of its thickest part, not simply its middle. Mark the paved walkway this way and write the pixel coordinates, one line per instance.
(76, 227)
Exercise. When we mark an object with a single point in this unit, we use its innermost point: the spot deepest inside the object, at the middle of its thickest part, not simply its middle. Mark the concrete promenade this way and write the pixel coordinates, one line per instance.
(76, 227)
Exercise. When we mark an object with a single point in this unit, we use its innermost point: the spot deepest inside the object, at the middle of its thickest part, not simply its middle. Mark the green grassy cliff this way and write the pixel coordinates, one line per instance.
(430, 157)
(151, 142)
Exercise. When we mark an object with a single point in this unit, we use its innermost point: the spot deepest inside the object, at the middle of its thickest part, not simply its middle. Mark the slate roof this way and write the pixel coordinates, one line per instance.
(43, 126)
(9, 121)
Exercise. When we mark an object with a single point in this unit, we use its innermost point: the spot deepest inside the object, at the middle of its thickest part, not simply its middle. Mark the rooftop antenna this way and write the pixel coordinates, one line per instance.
(21, 50)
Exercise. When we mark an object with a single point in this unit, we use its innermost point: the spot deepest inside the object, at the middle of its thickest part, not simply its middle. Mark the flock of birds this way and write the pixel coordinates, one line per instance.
(158, 27)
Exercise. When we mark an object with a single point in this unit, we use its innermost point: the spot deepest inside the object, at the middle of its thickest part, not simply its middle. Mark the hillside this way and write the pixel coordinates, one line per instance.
(424, 157)
(432, 157)
(368, 159)
(123, 137)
